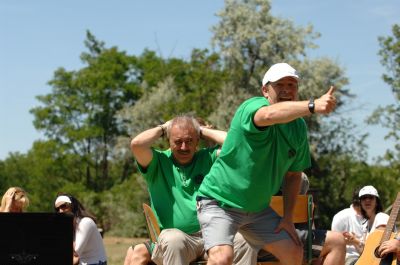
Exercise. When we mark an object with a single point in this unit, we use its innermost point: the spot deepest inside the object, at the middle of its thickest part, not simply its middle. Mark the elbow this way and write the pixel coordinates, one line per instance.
(135, 143)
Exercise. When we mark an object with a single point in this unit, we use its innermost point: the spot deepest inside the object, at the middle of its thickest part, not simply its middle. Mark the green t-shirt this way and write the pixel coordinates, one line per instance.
(253, 161)
(173, 188)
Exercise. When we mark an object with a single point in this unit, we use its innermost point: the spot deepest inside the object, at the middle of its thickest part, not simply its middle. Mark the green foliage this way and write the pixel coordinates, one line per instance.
(250, 39)
(79, 113)
(389, 116)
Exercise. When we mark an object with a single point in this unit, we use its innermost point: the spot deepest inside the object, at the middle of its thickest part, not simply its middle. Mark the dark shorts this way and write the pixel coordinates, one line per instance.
(318, 241)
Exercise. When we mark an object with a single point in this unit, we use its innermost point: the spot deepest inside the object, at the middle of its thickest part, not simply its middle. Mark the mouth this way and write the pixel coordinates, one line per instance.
(285, 99)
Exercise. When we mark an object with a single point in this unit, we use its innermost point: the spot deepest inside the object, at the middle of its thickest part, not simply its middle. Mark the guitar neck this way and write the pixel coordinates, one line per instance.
(392, 219)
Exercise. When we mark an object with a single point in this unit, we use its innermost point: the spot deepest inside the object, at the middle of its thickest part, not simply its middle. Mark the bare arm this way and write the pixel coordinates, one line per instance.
(283, 112)
(291, 188)
(217, 136)
(141, 144)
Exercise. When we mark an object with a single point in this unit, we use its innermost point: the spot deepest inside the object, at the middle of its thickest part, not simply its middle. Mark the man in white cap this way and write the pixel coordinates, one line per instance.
(266, 146)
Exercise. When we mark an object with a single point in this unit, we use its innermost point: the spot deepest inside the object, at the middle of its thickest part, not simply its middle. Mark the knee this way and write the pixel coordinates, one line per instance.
(220, 255)
(335, 241)
(172, 239)
(139, 254)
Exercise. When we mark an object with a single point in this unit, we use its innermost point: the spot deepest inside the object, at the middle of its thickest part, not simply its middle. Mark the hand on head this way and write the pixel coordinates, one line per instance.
(10, 197)
(326, 103)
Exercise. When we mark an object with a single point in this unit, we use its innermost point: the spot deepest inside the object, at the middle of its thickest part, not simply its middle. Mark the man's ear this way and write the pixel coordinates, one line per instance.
(264, 90)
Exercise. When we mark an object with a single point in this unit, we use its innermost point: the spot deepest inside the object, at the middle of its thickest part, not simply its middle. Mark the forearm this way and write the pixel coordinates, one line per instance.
(281, 112)
(216, 136)
(141, 144)
(291, 189)
(147, 138)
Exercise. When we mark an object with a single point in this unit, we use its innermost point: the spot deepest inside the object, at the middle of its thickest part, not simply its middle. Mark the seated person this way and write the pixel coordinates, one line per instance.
(88, 243)
(173, 177)
(349, 222)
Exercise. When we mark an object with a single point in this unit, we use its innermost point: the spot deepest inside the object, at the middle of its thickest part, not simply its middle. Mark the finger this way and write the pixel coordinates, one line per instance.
(331, 90)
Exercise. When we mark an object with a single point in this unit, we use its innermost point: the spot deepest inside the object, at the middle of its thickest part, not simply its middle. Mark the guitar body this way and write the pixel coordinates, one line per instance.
(371, 245)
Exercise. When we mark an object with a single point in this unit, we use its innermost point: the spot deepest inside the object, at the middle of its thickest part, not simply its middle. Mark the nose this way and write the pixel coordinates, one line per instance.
(184, 146)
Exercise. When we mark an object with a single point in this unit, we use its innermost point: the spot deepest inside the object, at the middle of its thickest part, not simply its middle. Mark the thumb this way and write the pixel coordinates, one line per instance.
(331, 90)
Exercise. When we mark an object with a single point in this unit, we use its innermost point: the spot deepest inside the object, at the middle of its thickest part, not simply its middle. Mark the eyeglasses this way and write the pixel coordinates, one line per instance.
(62, 207)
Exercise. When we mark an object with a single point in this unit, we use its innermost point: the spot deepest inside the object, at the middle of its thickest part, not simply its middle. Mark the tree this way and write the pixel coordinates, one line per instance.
(389, 116)
(79, 113)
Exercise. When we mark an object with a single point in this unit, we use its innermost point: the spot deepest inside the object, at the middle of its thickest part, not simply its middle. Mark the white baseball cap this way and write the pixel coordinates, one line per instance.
(278, 71)
(62, 199)
(368, 190)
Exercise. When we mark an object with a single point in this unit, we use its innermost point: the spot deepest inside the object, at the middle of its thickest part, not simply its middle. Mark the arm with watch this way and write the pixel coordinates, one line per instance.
(287, 111)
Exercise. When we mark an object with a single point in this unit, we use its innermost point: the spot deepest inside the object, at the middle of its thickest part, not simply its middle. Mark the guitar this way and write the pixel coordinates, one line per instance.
(370, 255)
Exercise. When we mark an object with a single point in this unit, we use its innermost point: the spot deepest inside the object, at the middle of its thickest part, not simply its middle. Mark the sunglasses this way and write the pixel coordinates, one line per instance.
(62, 207)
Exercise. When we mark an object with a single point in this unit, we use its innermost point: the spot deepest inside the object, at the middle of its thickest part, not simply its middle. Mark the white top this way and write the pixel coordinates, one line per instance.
(380, 219)
(348, 220)
(88, 242)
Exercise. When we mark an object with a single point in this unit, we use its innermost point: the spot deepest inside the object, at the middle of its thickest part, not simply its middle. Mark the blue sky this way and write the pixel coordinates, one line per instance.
(39, 36)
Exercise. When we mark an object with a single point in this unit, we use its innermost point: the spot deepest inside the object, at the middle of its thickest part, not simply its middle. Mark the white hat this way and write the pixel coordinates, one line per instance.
(62, 199)
(278, 71)
(368, 190)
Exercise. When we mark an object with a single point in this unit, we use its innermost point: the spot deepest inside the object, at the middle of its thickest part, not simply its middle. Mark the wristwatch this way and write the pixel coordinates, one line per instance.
(311, 105)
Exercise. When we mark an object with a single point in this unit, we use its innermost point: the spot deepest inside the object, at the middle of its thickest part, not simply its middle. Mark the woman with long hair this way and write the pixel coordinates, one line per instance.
(88, 243)
(15, 200)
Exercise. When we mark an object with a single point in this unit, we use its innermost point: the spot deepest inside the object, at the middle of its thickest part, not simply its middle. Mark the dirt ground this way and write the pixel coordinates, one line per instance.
(116, 248)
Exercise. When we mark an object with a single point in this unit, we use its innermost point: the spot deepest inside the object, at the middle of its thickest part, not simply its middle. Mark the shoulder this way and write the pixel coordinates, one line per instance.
(382, 216)
(207, 154)
(86, 222)
(344, 213)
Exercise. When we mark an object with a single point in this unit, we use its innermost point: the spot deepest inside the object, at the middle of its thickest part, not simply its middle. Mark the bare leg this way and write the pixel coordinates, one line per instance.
(139, 255)
(334, 249)
(286, 251)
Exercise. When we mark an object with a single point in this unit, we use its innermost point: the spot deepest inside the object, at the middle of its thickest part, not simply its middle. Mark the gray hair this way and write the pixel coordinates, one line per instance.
(184, 121)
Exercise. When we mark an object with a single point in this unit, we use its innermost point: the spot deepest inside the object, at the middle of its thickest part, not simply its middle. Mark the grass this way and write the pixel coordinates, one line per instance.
(116, 248)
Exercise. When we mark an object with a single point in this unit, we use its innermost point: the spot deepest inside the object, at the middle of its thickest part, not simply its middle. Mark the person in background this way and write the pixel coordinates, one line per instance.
(15, 200)
(88, 243)
(350, 221)
(372, 212)
(173, 177)
(372, 209)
